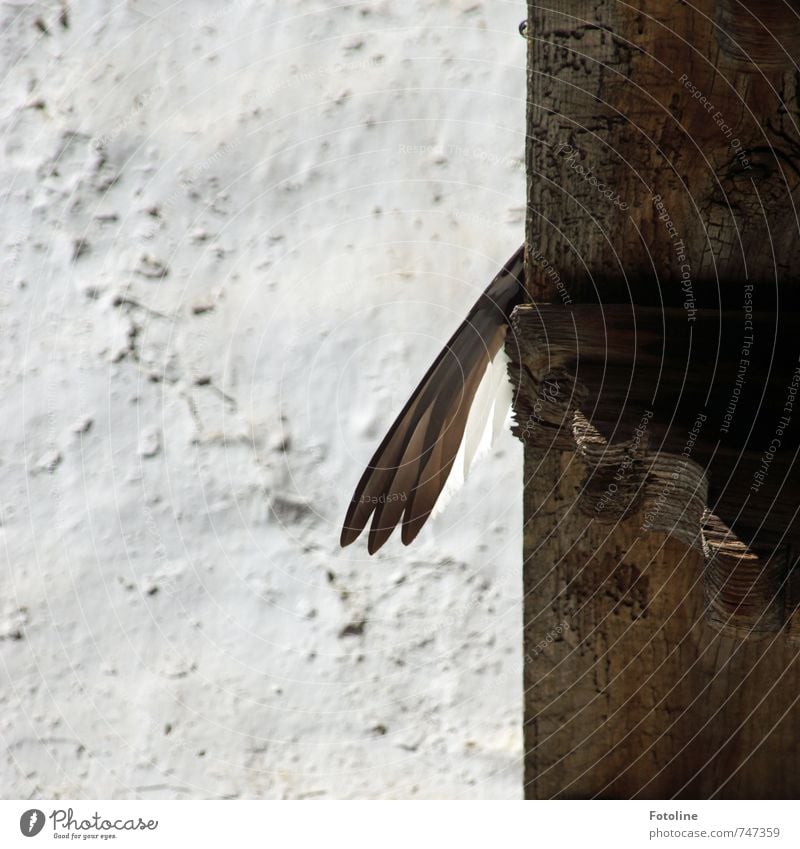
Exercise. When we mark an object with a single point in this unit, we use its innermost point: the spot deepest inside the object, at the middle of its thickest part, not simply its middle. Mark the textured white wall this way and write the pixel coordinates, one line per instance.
(234, 238)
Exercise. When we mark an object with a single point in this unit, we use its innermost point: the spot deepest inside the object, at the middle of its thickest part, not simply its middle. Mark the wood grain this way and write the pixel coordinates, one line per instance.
(663, 163)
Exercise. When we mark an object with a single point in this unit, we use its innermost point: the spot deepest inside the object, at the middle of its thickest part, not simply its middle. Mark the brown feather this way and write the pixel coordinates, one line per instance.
(399, 491)
(434, 473)
(409, 469)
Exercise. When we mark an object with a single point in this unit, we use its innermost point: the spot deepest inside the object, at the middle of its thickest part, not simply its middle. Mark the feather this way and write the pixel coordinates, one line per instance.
(406, 475)
(483, 427)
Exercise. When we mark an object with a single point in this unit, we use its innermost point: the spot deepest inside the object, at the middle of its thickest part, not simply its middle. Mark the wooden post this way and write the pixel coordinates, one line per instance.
(657, 381)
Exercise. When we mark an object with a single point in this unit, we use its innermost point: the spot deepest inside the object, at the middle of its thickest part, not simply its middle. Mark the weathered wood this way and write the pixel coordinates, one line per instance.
(663, 167)
(646, 406)
(704, 390)
(628, 690)
(648, 100)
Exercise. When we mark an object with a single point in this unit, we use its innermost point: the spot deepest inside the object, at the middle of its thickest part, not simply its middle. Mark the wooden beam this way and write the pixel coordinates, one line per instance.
(678, 424)
(661, 533)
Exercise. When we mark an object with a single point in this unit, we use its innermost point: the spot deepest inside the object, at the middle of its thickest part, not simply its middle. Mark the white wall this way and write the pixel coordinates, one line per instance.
(226, 261)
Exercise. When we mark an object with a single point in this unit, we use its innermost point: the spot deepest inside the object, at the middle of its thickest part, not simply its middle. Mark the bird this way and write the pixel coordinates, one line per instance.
(409, 469)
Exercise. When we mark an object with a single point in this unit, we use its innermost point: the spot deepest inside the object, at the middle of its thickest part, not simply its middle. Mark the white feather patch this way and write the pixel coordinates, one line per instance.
(487, 417)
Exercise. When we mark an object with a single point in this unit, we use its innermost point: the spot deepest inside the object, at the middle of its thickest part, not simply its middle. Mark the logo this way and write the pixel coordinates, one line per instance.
(31, 822)
(66, 825)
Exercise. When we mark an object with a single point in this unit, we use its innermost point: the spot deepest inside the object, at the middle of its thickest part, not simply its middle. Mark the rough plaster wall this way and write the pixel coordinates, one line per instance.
(225, 262)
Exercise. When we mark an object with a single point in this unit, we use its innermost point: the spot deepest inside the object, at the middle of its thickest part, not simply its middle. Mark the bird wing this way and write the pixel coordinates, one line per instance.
(408, 471)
